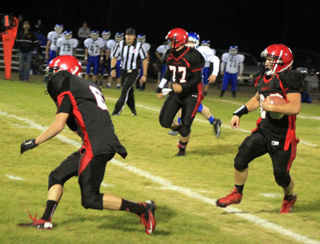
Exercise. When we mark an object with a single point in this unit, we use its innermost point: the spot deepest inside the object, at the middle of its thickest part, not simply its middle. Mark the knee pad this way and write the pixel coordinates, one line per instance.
(200, 108)
(240, 164)
(93, 201)
(184, 130)
(283, 179)
(54, 179)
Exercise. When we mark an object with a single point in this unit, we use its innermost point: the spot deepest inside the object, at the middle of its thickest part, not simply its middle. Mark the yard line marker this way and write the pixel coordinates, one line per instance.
(12, 177)
(247, 216)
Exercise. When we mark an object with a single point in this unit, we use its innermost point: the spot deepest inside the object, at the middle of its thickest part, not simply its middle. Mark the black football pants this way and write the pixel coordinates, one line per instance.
(127, 97)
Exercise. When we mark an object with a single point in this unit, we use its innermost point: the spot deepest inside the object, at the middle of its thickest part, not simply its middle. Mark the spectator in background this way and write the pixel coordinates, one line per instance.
(20, 27)
(27, 41)
(38, 27)
(312, 81)
(83, 33)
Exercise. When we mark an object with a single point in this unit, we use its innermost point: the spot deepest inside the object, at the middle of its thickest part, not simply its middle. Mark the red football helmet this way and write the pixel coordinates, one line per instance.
(282, 55)
(177, 37)
(64, 62)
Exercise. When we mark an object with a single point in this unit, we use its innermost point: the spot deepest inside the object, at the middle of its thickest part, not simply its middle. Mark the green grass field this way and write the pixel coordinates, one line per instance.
(185, 189)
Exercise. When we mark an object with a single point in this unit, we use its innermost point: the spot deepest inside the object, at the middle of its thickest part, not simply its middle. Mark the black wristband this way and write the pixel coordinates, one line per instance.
(159, 90)
(241, 111)
(114, 68)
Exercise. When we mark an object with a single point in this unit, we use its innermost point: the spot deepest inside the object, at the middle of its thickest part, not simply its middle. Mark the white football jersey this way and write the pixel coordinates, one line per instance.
(94, 46)
(232, 63)
(146, 46)
(207, 63)
(110, 45)
(67, 46)
(53, 38)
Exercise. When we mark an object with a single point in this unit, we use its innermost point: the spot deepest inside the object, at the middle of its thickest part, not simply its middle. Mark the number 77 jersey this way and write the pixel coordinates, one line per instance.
(185, 68)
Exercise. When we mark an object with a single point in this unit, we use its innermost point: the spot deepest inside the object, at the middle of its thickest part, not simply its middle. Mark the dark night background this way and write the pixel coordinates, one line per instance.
(250, 24)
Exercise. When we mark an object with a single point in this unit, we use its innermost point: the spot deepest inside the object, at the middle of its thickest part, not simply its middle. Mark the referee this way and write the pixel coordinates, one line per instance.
(131, 53)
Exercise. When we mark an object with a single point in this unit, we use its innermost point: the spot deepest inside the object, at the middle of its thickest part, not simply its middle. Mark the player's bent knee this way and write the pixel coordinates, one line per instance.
(240, 165)
(283, 179)
(93, 201)
(54, 179)
(184, 130)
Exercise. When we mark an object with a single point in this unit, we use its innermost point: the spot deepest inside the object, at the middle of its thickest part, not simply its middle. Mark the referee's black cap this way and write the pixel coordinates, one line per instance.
(130, 31)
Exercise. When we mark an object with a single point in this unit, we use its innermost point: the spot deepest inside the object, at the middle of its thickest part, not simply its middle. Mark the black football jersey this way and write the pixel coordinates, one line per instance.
(90, 112)
(280, 131)
(182, 65)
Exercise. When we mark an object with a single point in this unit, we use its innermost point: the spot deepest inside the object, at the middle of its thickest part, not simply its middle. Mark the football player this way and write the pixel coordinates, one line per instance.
(93, 54)
(106, 55)
(142, 38)
(231, 66)
(53, 37)
(161, 54)
(184, 65)
(193, 42)
(67, 45)
(81, 105)
(206, 69)
(275, 136)
(119, 36)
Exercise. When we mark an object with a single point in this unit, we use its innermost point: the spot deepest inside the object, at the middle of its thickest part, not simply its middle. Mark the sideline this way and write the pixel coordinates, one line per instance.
(182, 190)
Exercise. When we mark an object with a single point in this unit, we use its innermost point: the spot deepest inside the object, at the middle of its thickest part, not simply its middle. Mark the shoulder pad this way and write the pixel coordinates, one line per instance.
(292, 78)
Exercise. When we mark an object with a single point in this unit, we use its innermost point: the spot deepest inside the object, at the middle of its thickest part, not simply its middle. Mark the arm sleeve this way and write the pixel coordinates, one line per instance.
(196, 79)
(65, 106)
(241, 68)
(142, 52)
(215, 62)
(291, 80)
(116, 51)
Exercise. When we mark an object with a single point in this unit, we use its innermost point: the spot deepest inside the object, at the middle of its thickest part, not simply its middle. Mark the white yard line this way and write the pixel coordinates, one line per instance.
(12, 177)
(182, 190)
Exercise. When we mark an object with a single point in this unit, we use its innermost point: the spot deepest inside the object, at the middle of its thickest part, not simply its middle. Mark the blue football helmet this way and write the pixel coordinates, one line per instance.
(193, 39)
(119, 36)
(141, 38)
(205, 43)
(58, 28)
(67, 34)
(233, 50)
(94, 34)
(106, 35)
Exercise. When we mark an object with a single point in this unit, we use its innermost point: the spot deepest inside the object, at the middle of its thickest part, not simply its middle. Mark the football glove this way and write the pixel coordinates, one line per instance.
(27, 145)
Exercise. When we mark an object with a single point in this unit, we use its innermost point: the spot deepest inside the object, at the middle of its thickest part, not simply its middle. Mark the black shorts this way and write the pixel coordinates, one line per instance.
(188, 104)
(256, 145)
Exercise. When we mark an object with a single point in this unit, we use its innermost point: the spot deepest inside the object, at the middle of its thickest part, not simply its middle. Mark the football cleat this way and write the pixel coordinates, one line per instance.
(287, 206)
(233, 198)
(148, 218)
(217, 127)
(40, 223)
(181, 154)
(173, 132)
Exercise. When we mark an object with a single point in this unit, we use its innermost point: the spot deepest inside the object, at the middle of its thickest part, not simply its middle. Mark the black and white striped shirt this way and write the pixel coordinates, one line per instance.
(131, 56)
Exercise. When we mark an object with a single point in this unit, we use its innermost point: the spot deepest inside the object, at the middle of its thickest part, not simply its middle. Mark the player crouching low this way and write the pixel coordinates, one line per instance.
(273, 136)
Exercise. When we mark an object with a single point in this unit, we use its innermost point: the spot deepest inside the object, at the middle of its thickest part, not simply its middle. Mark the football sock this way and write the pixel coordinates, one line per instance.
(211, 119)
(179, 120)
(182, 146)
(134, 207)
(205, 93)
(234, 94)
(239, 188)
(50, 208)
(288, 198)
(221, 93)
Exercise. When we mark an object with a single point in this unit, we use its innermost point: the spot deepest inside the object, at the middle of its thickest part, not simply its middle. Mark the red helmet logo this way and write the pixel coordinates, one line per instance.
(177, 37)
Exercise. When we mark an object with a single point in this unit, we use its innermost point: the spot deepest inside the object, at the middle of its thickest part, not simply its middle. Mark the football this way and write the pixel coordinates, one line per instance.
(276, 99)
